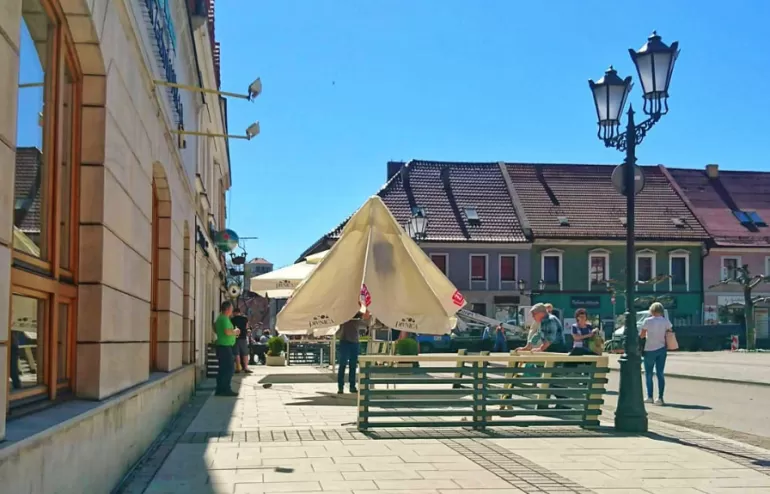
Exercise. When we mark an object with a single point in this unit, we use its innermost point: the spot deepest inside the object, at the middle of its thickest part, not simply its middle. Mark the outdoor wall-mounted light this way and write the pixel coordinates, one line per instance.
(417, 227)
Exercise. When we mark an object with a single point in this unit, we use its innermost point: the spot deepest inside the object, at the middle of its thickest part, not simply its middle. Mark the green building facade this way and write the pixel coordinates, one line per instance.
(576, 275)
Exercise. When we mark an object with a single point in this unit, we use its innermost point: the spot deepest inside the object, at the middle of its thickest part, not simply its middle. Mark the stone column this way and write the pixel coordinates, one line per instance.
(10, 25)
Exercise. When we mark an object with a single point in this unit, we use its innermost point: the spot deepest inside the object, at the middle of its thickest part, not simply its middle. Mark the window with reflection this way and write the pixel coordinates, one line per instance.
(44, 266)
(27, 365)
(31, 202)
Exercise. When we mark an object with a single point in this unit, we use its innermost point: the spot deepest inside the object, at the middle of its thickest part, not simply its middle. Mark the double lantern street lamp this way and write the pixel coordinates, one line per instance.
(654, 63)
(522, 286)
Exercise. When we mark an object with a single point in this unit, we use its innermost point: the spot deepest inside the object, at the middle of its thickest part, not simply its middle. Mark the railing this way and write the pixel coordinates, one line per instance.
(544, 389)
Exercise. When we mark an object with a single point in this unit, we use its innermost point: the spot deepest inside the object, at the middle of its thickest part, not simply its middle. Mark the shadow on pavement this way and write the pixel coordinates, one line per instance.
(507, 433)
(298, 379)
(741, 457)
(325, 399)
(681, 406)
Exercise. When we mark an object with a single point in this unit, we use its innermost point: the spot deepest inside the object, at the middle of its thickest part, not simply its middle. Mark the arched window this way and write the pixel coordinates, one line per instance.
(44, 271)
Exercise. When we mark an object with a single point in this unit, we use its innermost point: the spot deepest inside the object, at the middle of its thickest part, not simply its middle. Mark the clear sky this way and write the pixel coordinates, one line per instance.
(351, 84)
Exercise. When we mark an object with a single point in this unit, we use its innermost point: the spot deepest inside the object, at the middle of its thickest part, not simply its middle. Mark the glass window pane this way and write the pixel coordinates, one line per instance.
(679, 271)
(644, 269)
(62, 339)
(551, 270)
(507, 268)
(27, 342)
(478, 268)
(65, 169)
(30, 215)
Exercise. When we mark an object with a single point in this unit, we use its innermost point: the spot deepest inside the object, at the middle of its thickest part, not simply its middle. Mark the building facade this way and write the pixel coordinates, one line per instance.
(256, 267)
(105, 220)
(578, 224)
(735, 209)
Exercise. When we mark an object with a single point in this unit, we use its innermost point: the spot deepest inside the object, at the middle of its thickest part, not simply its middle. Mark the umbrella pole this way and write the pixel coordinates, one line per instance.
(333, 352)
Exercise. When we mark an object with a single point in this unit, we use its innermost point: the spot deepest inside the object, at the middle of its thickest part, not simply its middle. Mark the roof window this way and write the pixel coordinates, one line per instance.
(473, 216)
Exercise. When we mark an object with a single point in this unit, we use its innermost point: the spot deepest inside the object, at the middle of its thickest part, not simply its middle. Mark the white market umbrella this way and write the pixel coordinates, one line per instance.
(377, 262)
(282, 282)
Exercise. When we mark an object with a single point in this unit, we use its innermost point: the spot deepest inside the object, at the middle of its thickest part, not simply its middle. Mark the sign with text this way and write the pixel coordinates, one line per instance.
(590, 302)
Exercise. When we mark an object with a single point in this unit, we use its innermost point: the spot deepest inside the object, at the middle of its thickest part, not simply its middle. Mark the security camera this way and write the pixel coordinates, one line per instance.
(253, 130)
(255, 89)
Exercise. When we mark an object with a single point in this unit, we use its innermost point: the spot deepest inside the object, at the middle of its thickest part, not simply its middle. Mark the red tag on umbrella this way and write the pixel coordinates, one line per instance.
(366, 295)
(458, 298)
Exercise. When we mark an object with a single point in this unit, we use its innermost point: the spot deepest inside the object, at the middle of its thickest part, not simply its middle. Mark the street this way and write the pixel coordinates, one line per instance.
(735, 411)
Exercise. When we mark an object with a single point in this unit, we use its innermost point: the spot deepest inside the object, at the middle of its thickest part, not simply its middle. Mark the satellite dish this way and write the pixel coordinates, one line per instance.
(234, 291)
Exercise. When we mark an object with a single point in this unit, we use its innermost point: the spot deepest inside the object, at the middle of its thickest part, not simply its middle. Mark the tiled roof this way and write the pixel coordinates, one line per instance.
(26, 189)
(585, 196)
(714, 200)
(260, 260)
(444, 190)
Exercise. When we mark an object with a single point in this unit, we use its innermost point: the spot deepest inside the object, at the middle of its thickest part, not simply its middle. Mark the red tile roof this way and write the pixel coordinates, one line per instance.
(714, 200)
(444, 190)
(26, 189)
(585, 196)
(260, 260)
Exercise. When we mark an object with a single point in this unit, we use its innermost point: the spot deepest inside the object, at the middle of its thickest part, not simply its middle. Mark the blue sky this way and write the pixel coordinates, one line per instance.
(349, 85)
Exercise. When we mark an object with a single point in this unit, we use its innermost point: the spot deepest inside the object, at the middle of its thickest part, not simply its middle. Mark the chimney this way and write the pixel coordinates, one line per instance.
(712, 171)
(393, 168)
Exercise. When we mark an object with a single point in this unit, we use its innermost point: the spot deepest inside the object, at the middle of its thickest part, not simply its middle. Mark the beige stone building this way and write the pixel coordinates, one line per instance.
(109, 278)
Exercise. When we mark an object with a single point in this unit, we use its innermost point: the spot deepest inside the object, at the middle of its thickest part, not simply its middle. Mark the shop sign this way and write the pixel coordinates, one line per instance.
(727, 300)
(644, 303)
(590, 302)
(226, 240)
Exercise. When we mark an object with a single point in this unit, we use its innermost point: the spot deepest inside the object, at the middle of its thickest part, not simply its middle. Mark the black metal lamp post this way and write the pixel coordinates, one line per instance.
(417, 227)
(654, 64)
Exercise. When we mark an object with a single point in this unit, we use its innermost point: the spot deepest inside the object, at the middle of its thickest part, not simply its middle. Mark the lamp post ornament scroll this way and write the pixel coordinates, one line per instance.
(654, 63)
(747, 282)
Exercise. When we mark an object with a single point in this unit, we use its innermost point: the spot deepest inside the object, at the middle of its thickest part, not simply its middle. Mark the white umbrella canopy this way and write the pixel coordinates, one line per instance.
(376, 262)
(282, 282)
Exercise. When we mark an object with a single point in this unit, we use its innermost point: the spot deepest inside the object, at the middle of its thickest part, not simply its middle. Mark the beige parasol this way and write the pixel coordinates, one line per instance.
(282, 282)
(377, 263)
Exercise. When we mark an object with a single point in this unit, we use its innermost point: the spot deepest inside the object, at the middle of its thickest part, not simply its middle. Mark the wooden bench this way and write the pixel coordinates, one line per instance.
(500, 390)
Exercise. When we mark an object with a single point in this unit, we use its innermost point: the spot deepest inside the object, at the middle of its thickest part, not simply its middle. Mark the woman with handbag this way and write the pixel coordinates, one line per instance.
(655, 330)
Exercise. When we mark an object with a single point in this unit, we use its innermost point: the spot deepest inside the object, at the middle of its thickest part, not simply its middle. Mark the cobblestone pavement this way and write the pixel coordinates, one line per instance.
(298, 436)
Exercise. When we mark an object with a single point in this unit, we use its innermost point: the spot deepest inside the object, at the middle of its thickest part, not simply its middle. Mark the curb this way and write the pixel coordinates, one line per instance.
(704, 378)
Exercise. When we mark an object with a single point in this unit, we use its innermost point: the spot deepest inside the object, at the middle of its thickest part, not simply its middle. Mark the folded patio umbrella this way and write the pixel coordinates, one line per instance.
(282, 282)
(375, 263)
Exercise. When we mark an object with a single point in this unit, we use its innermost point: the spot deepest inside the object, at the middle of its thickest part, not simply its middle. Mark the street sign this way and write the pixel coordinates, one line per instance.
(619, 180)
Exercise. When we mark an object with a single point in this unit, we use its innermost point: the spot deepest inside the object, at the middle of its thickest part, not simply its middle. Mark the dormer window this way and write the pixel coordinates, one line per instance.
(473, 216)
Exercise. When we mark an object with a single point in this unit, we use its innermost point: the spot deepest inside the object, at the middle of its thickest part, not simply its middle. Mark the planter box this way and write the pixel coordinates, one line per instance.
(278, 361)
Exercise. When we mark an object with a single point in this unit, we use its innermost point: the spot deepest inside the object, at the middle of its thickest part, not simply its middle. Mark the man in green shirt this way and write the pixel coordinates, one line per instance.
(226, 336)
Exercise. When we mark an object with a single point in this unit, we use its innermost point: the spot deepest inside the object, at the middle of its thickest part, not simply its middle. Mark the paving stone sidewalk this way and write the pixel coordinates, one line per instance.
(299, 436)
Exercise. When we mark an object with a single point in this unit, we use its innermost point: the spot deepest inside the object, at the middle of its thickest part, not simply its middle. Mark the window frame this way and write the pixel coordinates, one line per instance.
(445, 255)
(605, 254)
(500, 268)
(679, 254)
(653, 256)
(738, 263)
(471, 280)
(45, 279)
(552, 253)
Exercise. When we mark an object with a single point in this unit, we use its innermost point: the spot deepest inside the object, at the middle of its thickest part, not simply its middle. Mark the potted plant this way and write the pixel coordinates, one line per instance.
(275, 356)
(407, 346)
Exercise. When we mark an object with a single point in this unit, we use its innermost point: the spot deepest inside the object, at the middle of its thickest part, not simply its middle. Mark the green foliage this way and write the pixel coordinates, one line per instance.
(275, 346)
(407, 346)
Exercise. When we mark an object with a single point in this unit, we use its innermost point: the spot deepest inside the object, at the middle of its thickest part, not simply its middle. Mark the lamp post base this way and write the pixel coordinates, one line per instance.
(630, 416)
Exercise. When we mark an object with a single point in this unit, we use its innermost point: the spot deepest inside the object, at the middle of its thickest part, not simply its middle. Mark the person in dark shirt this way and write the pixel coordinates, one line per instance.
(241, 347)
(348, 335)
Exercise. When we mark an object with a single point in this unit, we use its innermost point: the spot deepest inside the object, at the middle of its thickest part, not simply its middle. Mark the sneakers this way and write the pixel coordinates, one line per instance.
(229, 393)
(340, 391)
(354, 390)
(660, 402)
(648, 400)
(248, 371)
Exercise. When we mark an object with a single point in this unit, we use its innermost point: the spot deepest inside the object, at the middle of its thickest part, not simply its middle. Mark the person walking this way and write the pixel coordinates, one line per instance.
(654, 329)
(501, 345)
(241, 347)
(349, 347)
(226, 336)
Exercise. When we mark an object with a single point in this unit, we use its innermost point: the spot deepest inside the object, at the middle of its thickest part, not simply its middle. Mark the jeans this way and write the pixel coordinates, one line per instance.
(348, 356)
(500, 346)
(656, 359)
(226, 368)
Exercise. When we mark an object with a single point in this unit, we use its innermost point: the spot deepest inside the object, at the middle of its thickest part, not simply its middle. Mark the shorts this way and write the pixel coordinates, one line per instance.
(241, 348)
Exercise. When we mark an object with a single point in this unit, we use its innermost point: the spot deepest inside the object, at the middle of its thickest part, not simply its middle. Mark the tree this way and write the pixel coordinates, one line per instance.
(743, 278)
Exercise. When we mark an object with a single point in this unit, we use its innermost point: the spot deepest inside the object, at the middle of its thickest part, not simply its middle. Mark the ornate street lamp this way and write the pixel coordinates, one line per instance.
(417, 227)
(522, 286)
(654, 63)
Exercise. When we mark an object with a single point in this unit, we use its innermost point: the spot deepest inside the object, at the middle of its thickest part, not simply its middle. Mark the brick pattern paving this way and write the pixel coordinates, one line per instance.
(514, 469)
